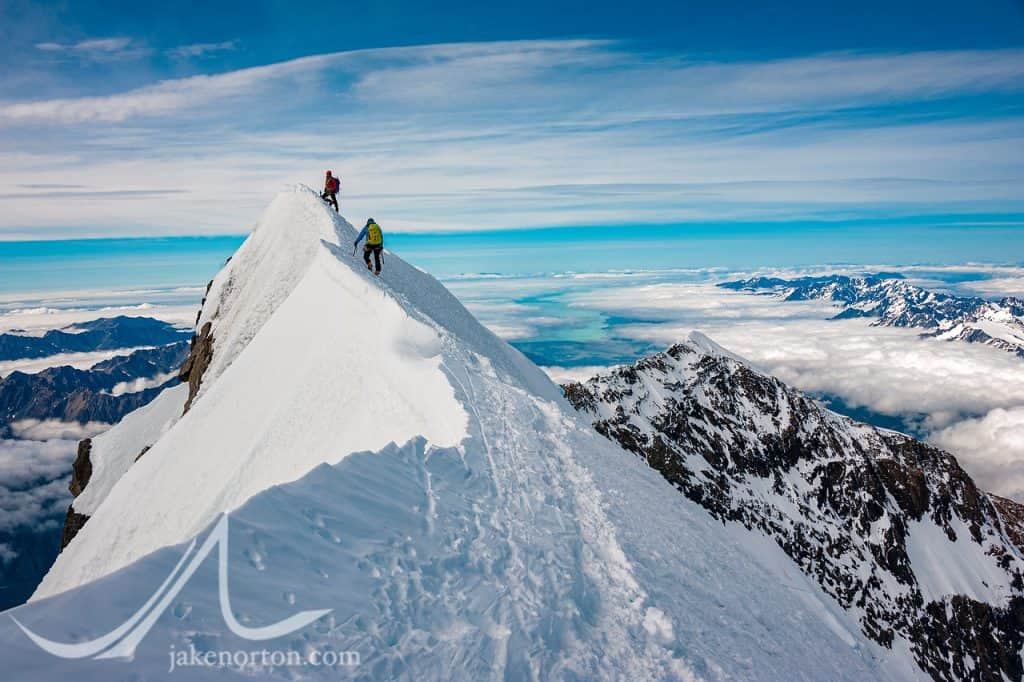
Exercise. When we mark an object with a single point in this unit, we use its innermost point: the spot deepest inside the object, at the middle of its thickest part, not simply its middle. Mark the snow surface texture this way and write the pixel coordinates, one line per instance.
(114, 451)
(390, 459)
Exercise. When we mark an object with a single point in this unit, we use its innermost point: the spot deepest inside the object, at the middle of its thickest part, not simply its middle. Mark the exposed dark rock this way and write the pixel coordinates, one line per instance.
(73, 523)
(963, 631)
(142, 452)
(1013, 519)
(81, 470)
(199, 358)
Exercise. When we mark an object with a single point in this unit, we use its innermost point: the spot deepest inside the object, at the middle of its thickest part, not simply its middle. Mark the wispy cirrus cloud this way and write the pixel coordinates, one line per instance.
(534, 133)
(98, 49)
(123, 48)
(202, 49)
(528, 72)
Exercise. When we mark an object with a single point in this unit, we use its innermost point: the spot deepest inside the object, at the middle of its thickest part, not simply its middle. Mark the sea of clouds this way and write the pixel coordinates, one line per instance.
(965, 398)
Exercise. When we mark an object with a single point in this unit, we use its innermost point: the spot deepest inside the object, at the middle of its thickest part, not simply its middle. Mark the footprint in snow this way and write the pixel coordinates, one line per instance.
(256, 559)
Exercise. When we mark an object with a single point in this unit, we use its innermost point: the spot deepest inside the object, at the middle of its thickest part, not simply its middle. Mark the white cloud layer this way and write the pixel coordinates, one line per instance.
(142, 383)
(562, 375)
(33, 483)
(54, 429)
(35, 314)
(83, 360)
(992, 448)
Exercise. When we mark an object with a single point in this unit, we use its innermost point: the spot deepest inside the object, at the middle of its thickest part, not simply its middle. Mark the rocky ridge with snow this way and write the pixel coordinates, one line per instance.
(892, 528)
(897, 303)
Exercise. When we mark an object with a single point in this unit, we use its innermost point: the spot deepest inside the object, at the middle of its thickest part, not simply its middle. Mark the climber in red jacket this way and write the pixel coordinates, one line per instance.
(331, 188)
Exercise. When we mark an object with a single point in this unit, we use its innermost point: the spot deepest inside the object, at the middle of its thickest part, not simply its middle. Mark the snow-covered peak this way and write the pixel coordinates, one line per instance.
(706, 344)
(294, 234)
(264, 272)
(312, 358)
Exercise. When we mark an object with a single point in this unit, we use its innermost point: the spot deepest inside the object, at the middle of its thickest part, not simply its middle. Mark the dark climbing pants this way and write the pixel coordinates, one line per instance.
(331, 198)
(376, 251)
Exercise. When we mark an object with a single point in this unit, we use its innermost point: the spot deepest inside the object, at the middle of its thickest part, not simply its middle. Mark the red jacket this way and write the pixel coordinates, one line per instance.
(331, 184)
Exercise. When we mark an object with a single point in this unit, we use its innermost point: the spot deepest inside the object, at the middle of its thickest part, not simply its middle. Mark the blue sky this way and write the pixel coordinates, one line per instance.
(143, 118)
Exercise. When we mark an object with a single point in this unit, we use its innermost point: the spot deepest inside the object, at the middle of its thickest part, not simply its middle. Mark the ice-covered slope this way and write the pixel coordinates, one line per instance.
(389, 459)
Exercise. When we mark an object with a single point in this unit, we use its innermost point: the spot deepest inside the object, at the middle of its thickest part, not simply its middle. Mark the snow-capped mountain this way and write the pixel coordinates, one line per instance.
(897, 303)
(387, 459)
(890, 527)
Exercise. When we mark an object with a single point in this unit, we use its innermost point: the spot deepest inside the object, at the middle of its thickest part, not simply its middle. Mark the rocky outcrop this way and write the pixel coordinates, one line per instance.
(142, 452)
(73, 523)
(842, 499)
(190, 369)
(81, 472)
(199, 358)
(200, 352)
(964, 639)
(1013, 519)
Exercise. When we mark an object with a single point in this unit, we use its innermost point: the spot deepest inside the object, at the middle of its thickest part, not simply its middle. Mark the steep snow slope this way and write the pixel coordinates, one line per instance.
(891, 527)
(311, 362)
(113, 452)
(388, 458)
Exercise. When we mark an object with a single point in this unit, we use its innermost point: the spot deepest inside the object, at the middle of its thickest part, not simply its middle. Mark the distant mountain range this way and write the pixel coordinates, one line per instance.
(892, 528)
(895, 302)
(88, 395)
(108, 333)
